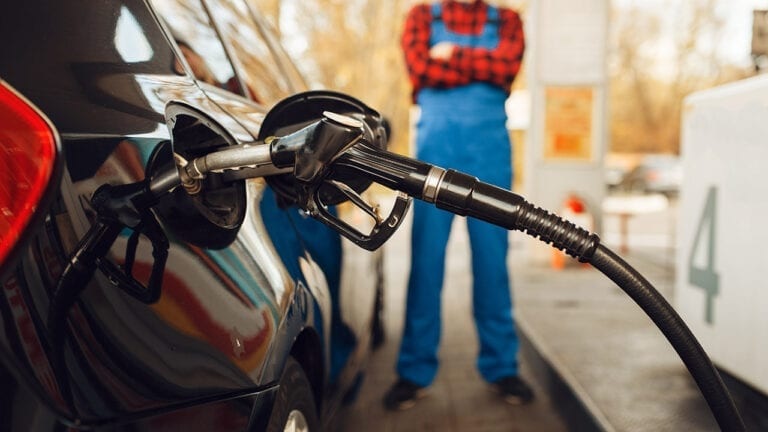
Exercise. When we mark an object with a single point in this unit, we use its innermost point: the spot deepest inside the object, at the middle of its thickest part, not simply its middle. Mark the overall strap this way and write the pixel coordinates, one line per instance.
(437, 11)
(492, 15)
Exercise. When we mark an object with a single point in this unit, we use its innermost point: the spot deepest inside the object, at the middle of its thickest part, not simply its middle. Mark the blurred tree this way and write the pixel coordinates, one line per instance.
(352, 46)
(271, 10)
(657, 57)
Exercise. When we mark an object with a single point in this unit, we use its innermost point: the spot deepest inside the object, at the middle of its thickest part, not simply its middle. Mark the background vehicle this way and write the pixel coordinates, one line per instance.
(655, 173)
(263, 318)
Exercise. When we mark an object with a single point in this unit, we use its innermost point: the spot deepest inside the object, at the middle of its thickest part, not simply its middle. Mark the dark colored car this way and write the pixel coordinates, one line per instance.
(223, 310)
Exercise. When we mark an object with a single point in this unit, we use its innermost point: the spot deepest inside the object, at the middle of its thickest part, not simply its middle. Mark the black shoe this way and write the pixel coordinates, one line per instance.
(514, 390)
(403, 395)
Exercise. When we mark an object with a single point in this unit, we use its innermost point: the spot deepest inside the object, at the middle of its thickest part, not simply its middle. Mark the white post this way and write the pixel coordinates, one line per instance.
(567, 79)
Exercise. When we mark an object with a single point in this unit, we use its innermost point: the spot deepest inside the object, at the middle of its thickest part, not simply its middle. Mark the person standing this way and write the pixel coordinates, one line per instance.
(462, 57)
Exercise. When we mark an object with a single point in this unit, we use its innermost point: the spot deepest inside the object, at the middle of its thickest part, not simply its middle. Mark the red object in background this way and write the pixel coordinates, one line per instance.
(27, 153)
(575, 204)
(575, 210)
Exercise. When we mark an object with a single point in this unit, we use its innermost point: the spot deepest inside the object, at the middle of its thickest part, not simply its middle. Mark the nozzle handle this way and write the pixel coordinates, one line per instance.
(382, 229)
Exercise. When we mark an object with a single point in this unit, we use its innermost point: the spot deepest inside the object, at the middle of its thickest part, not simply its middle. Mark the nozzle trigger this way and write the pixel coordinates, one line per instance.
(382, 229)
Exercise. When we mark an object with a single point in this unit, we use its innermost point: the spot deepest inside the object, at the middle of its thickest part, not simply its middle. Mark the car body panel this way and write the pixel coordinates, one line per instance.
(227, 318)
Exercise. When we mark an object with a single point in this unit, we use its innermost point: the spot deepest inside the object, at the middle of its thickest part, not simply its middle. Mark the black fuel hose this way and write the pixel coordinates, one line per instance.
(464, 194)
(677, 333)
(467, 196)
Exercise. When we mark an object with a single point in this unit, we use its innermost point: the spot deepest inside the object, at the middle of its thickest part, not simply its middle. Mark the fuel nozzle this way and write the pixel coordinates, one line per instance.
(313, 152)
(465, 195)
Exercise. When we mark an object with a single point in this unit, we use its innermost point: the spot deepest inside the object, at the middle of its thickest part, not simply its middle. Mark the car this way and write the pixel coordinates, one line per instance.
(224, 308)
(613, 176)
(655, 173)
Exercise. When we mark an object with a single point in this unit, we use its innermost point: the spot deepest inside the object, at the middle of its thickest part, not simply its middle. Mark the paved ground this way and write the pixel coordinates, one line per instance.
(598, 363)
(458, 400)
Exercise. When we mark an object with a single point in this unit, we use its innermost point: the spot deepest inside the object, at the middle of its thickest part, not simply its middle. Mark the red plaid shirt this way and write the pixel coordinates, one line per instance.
(498, 66)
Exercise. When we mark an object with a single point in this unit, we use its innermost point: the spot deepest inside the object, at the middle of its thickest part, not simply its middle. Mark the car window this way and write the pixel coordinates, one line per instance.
(265, 80)
(295, 77)
(198, 41)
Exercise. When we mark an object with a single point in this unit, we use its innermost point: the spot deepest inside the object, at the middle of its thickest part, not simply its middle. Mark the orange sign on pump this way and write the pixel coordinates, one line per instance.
(568, 123)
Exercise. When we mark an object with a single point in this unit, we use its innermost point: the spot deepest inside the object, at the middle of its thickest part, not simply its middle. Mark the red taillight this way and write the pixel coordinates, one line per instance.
(28, 147)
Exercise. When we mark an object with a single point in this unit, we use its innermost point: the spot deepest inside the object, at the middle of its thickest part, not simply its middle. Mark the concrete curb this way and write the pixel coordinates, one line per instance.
(571, 400)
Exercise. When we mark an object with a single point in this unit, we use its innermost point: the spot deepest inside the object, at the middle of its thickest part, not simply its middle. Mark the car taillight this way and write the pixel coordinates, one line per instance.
(28, 151)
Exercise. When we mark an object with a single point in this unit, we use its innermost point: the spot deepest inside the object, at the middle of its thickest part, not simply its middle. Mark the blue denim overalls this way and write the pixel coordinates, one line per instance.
(461, 128)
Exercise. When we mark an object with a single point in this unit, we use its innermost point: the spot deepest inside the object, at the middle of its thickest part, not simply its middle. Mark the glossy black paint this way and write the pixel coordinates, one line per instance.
(207, 354)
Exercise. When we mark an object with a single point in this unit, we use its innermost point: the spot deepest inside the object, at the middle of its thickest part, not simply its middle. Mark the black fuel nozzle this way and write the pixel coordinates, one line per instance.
(465, 195)
(322, 152)
(313, 152)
